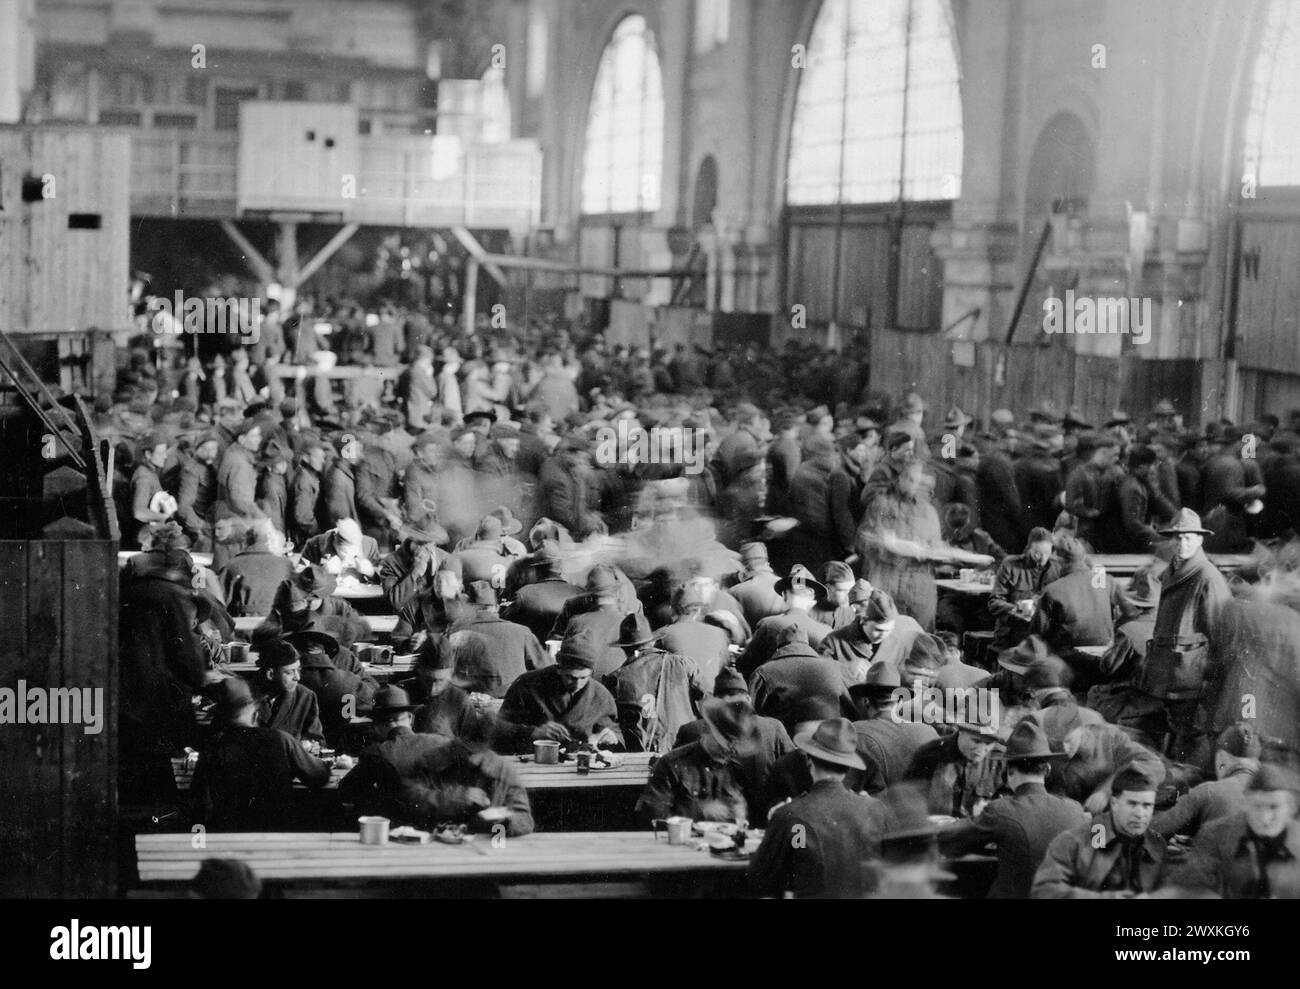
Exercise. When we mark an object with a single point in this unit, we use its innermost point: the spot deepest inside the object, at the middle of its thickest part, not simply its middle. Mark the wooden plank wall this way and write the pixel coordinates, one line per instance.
(51, 277)
(923, 362)
(58, 785)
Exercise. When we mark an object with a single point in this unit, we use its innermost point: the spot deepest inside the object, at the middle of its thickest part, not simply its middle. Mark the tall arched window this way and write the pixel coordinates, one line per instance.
(874, 163)
(623, 160)
(1272, 152)
(878, 112)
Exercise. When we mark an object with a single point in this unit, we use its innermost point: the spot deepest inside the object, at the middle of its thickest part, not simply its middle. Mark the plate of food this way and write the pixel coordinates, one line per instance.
(727, 829)
(604, 760)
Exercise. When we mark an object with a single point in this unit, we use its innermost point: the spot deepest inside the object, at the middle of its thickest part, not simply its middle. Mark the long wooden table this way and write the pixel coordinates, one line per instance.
(380, 624)
(635, 772)
(1131, 563)
(323, 857)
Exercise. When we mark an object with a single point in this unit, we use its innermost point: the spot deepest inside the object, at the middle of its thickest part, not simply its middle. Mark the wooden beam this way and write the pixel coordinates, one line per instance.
(326, 252)
(256, 263)
(476, 251)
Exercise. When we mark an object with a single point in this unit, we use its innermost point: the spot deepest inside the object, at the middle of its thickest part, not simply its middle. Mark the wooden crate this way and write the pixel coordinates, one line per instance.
(63, 259)
(58, 628)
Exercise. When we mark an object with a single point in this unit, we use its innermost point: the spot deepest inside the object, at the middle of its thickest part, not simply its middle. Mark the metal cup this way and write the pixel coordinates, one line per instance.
(584, 762)
(678, 829)
(238, 651)
(374, 830)
(546, 753)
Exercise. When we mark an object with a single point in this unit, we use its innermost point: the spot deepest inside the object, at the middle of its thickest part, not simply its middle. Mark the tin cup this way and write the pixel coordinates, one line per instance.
(546, 753)
(677, 828)
(237, 651)
(374, 830)
(966, 575)
(584, 762)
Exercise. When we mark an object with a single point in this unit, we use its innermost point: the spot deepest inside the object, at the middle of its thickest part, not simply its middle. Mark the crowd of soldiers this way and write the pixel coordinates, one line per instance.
(770, 599)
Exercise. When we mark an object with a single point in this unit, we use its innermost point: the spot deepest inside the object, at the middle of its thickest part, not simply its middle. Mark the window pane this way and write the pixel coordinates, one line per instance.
(1272, 139)
(623, 159)
(879, 98)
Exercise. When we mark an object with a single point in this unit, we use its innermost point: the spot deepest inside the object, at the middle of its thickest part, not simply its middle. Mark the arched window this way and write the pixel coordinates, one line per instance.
(874, 164)
(1272, 153)
(878, 111)
(495, 106)
(623, 160)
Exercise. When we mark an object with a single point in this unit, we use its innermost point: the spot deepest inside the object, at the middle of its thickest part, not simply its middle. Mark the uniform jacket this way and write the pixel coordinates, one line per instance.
(511, 650)
(1072, 612)
(304, 493)
(888, 747)
(849, 647)
(237, 485)
(1022, 825)
(297, 714)
(767, 636)
(1039, 482)
(824, 845)
(691, 782)
(1075, 868)
(1191, 597)
(244, 779)
(820, 500)
(422, 780)
(656, 695)
(796, 673)
(540, 696)
(703, 644)
(1103, 751)
(1017, 579)
(448, 714)
(338, 495)
(1224, 860)
(536, 606)
(954, 784)
(757, 598)
(197, 497)
(1001, 512)
(1205, 803)
(251, 580)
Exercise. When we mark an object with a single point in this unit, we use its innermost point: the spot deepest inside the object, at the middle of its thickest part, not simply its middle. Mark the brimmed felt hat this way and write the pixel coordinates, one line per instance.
(489, 529)
(314, 579)
(424, 531)
(881, 681)
(1164, 407)
(634, 631)
(310, 640)
(751, 553)
(799, 578)
(1090, 441)
(391, 700)
(834, 741)
(1143, 590)
(1027, 654)
(232, 695)
(985, 731)
(926, 655)
(733, 719)
(487, 414)
(1185, 520)
(1029, 741)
